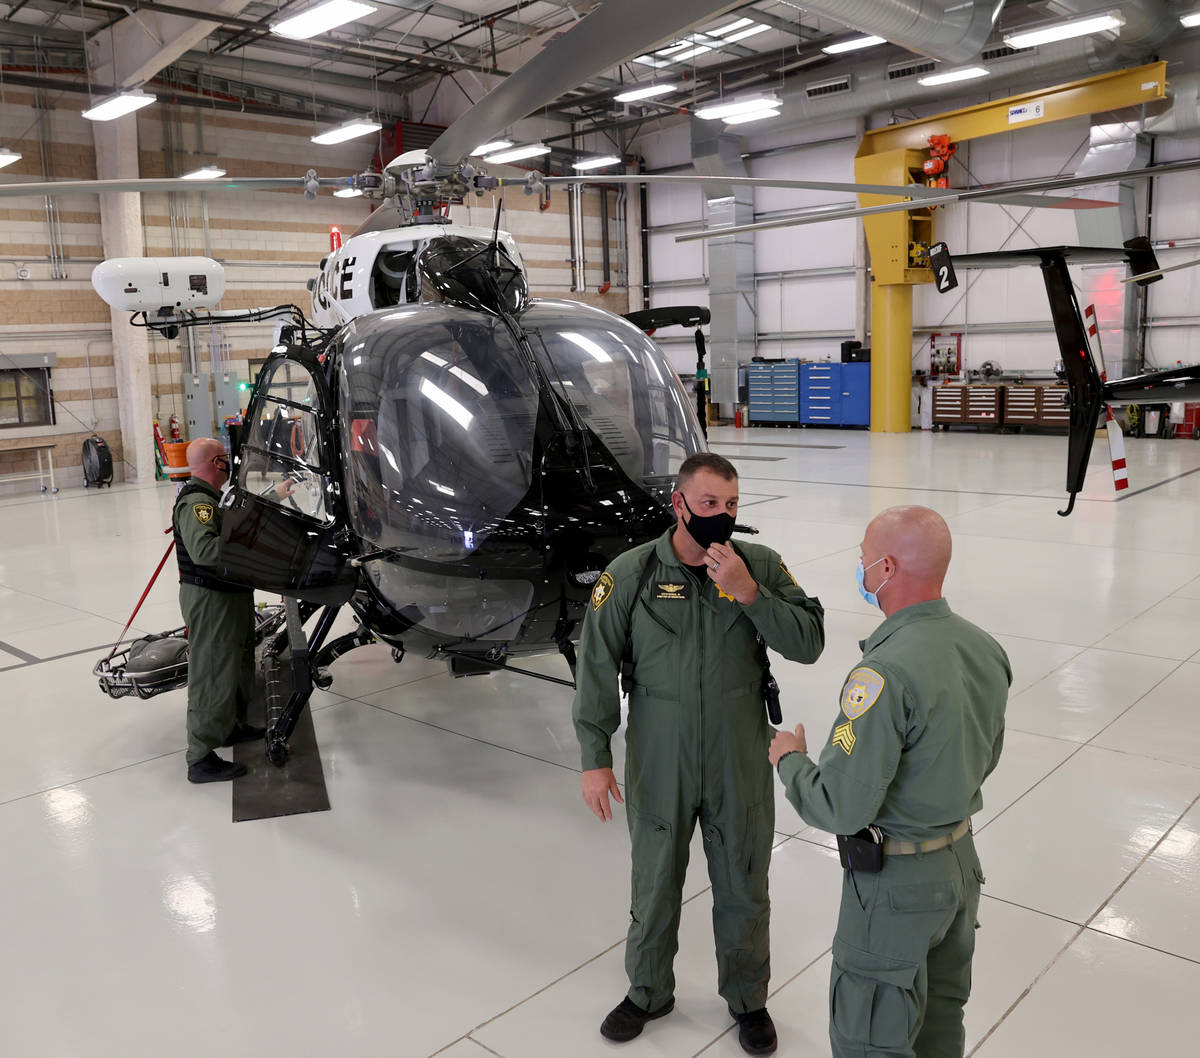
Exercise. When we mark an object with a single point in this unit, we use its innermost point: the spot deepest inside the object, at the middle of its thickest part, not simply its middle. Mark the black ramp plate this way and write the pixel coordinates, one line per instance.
(266, 791)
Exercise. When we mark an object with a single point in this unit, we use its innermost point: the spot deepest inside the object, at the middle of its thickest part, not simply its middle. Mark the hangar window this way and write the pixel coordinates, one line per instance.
(25, 398)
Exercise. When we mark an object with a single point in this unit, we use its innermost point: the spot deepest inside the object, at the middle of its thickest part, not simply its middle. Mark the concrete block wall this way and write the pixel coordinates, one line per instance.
(269, 242)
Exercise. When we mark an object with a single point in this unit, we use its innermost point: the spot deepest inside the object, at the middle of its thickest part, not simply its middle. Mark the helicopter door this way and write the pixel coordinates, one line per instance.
(280, 531)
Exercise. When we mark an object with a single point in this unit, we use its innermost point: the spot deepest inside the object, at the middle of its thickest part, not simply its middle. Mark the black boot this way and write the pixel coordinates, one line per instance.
(756, 1031)
(211, 768)
(625, 1020)
(245, 733)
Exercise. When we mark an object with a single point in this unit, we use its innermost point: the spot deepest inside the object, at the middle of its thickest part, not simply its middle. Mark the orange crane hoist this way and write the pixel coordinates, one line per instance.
(941, 150)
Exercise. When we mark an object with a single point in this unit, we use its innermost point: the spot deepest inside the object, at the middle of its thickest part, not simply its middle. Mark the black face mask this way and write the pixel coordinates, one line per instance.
(713, 529)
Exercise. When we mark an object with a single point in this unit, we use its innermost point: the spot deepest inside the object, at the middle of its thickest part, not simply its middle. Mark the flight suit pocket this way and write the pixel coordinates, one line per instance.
(872, 998)
(653, 870)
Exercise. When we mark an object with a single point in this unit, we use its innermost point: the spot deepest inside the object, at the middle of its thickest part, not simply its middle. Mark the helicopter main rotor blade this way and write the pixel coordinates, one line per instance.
(102, 187)
(993, 194)
(607, 36)
(1161, 271)
(899, 191)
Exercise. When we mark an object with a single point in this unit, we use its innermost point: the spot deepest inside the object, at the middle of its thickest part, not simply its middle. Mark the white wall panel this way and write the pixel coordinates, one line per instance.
(820, 304)
(671, 260)
(810, 246)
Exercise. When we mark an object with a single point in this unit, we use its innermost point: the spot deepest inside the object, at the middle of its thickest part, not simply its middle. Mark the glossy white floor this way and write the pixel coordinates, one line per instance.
(460, 900)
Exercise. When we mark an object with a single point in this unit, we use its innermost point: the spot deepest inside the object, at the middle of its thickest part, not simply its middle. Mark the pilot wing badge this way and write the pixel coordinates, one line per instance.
(670, 590)
(862, 690)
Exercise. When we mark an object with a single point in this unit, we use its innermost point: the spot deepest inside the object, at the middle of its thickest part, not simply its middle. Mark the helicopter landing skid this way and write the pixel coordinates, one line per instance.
(488, 664)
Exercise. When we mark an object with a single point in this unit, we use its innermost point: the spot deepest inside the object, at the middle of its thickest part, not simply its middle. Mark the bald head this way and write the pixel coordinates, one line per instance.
(201, 456)
(912, 546)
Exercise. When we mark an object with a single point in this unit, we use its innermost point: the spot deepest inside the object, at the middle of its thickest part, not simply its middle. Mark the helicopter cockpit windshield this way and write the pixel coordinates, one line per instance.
(441, 415)
(621, 386)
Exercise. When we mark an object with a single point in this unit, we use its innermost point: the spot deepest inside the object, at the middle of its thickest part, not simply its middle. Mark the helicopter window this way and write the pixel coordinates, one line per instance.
(621, 385)
(281, 458)
(394, 279)
(439, 409)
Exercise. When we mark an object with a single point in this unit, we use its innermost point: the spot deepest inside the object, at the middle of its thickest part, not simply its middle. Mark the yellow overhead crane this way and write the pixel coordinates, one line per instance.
(899, 242)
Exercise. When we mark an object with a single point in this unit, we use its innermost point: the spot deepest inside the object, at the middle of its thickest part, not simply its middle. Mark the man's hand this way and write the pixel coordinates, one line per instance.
(597, 784)
(786, 743)
(285, 488)
(729, 573)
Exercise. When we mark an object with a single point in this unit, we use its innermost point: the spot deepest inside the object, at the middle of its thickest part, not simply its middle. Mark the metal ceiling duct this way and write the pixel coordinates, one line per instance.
(951, 30)
(884, 86)
(1148, 23)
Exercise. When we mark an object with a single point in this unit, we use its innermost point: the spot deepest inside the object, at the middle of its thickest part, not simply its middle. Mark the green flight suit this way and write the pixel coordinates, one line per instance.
(921, 726)
(696, 739)
(220, 628)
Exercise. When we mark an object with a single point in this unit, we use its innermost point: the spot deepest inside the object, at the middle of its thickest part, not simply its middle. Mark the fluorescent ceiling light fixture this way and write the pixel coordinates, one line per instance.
(348, 130)
(950, 76)
(679, 45)
(526, 150)
(650, 60)
(682, 56)
(1190, 21)
(490, 148)
(347, 192)
(596, 163)
(754, 115)
(742, 34)
(323, 17)
(1074, 27)
(434, 359)
(205, 172)
(8, 156)
(645, 92)
(119, 105)
(852, 45)
(733, 27)
(732, 107)
(448, 404)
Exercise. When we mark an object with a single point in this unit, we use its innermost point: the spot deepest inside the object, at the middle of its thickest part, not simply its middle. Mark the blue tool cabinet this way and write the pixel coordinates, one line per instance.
(774, 391)
(835, 394)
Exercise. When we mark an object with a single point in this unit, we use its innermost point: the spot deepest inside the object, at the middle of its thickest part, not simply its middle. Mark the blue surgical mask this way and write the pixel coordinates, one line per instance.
(871, 596)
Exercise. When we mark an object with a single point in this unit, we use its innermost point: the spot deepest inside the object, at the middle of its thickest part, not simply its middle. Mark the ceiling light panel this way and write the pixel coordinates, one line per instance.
(119, 105)
(348, 131)
(968, 73)
(205, 172)
(1032, 36)
(645, 92)
(526, 150)
(1190, 21)
(742, 34)
(733, 27)
(8, 156)
(490, 148)
(321, 19)
(854, 44)
(595, 163)
(754, 115)
(747, 105)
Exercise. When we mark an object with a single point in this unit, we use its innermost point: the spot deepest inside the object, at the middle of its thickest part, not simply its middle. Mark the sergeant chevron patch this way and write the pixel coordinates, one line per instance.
(843, 736)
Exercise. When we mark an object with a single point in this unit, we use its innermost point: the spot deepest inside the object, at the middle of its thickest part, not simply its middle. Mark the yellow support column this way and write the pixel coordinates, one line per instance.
(891, 358)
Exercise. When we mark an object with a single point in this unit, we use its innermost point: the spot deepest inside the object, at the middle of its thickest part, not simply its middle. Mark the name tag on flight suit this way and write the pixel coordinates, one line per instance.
(670, 590)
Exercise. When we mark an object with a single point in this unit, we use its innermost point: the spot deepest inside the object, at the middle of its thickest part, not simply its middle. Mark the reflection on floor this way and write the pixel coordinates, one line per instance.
(460, 900)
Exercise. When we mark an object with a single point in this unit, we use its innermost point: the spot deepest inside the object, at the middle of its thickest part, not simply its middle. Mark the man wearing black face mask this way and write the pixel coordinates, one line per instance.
(683, 620)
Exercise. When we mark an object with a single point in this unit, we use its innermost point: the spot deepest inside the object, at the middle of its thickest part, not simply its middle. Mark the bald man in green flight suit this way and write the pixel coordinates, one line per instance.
(220, 618)
(921, 726)
(687, 610)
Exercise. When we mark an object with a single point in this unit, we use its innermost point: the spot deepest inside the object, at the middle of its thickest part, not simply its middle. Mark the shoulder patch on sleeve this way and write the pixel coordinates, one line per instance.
(602, 590)
(862, 690)
(203, 513)
(788, 573)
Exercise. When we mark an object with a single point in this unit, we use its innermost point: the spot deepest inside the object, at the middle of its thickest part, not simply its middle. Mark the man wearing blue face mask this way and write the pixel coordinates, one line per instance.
(921, 726)
(683, 621)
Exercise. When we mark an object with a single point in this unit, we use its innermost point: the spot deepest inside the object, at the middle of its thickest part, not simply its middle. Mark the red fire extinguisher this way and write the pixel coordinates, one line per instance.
(335, 239)
(173, 428)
